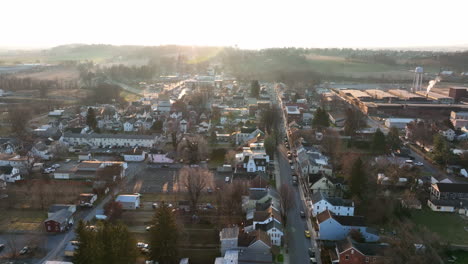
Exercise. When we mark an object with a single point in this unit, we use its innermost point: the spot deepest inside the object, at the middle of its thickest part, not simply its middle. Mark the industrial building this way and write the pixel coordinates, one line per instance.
(407, 96)
(436, 98)
(360, 95)
(381, 95)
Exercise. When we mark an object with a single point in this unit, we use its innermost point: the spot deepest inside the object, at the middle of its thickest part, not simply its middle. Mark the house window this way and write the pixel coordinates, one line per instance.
(352, 251)
(347, 257)
(367, 259)
(318, 207)
(438, 207)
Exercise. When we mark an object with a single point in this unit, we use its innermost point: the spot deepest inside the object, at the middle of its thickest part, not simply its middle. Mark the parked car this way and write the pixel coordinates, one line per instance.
(419, 163)
(311, 253)
(142, 245)
(227, 179)
(24, 250)
(313, 260)
(2, 246)
(56, 166)
(302, 214)
(307, 233)
(155, 205)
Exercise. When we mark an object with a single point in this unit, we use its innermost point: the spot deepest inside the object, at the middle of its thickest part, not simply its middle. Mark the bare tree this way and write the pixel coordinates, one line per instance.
(287, 201)
(13, 246)
(229, 198)
(192, 149)
(230, 157)
(18, 118)
(195, 180)
(331, 144)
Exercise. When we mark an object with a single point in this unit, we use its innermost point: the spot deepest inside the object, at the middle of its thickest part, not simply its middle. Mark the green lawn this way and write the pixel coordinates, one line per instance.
(449, 226)
(461, 256)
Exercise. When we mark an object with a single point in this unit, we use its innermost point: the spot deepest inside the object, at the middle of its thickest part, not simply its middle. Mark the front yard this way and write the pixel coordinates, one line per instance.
(449, 226)
(21, 220)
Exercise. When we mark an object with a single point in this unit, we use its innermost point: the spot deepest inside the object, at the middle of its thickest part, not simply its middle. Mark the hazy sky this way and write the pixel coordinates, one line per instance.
(246, 23)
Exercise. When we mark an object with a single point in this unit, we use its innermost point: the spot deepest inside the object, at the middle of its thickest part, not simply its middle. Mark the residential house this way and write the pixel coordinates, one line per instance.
(449, 134)
(228, 238)
(351, 252)
(248, 134)
(204, 127)
(59, 222)
(293, 113)
(267, 216)
(8, 146)
(337, 227)
(335, 205)
(312, 161)
(274, 230)
(128, 126)
(129, 201)
(9, 174)
(158, 156)
(331, 186)
(253, 158)
(136, 155)
(57, 207)
(99, 140)
(459, 119)
(21, 162)
(449, 191)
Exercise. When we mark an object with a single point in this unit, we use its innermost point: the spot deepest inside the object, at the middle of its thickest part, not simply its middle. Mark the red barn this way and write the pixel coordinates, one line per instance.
(351, 252)
(59, 221)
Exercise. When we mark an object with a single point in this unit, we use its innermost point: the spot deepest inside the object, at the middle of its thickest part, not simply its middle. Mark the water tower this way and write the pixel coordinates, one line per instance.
(418, 78)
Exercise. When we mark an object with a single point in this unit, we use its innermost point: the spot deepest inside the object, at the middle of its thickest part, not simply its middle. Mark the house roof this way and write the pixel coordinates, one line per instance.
(229, 232)
(6, 169)
(269, 226)
(250, 256)
(452, 187)
(257, 194)
(260, 216)
(57, 207)
(336, 201)
(366, 249)
(344, 220)
(127, 198)
(260, 235)
(95, 135)
(60, 216)
(259, 182)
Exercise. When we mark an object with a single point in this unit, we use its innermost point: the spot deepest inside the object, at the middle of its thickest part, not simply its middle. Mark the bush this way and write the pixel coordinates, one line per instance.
(280, 258)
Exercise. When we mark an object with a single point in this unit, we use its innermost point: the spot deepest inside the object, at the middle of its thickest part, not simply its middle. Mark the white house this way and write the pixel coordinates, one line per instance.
(128, 126)
(247, 134)
(228, 238)
(253, 158)
(449, 134)
(9, 174)
(129, 201)
(136, 155)
(183, 126)
(265, 217)
(274, 230)
(203, 127)
(158, 156)
(124, 140)
(337, 227)
(337, 206)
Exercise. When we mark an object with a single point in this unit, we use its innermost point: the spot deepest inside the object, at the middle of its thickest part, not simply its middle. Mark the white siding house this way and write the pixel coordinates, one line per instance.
(337, 206)
(334, 227)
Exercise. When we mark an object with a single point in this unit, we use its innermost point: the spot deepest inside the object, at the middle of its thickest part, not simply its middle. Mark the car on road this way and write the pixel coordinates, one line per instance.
(227, 179)
(142, 245)
(302, 214)
(419, 163)
(313, 260)
(24, 250)
(2, 246)
(307, 233)
(56, 166)
(290, 162)
(311, 253)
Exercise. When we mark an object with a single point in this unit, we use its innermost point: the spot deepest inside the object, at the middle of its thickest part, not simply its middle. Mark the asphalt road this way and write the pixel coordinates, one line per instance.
(298, 244)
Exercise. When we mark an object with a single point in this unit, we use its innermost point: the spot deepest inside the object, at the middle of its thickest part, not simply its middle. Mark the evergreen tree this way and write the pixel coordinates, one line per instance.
(321, 119)
(91, 118)
(106, 243)
(378, 142)
(254, 89)
(441, 150)
(270, 145)
(157, 126)
(164, 237)
(357, 178)
(393, 139)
